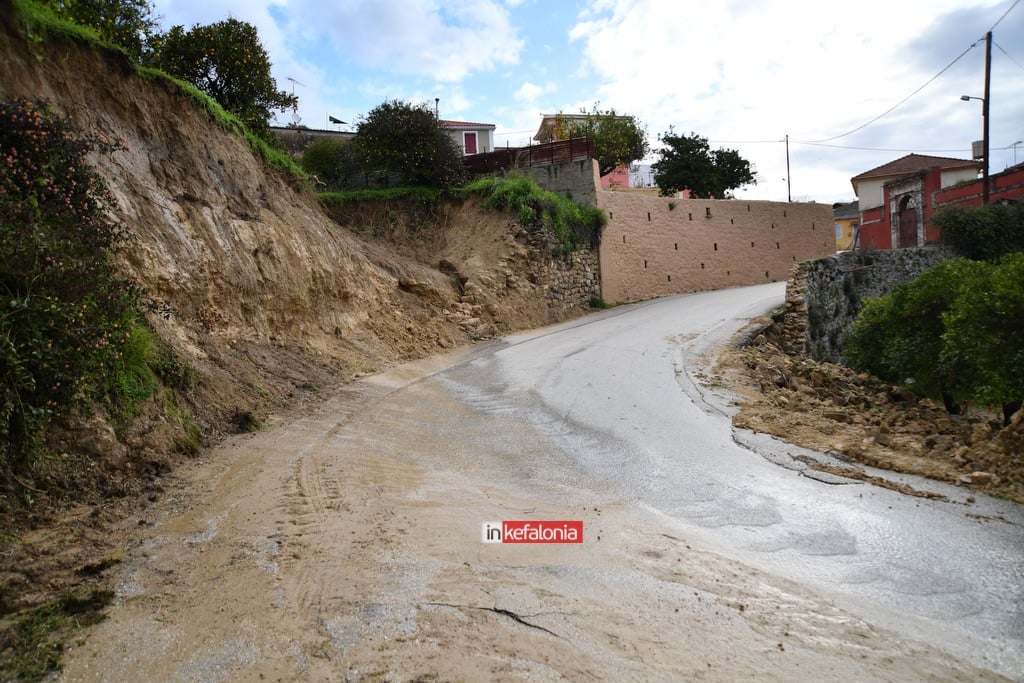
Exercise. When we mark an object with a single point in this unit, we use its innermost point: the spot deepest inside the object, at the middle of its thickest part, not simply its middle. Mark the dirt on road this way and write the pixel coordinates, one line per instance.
(864, 422)
(317, 549)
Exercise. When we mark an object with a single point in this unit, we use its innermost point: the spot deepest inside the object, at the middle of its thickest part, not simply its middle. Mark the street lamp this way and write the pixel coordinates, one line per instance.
(1014, 145)
(984, 144)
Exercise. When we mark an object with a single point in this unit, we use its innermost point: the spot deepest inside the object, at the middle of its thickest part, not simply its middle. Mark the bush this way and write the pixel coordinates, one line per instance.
(333, 162)
(66, 317)
(572, 224)
(983, 233)
(983, 329)
(955, 331)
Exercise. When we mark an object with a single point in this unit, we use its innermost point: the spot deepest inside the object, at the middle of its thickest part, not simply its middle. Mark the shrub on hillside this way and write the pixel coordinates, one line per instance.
(333, 162)
(953, 333)
(404, 139)
(982, 233)
(573, 225)
(65, 314)
(983, 329)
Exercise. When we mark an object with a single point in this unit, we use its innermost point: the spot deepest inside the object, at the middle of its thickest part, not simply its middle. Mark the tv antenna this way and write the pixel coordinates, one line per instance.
(295, 112)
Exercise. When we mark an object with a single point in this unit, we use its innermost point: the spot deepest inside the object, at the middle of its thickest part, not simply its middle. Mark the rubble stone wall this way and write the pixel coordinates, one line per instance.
(824, 296)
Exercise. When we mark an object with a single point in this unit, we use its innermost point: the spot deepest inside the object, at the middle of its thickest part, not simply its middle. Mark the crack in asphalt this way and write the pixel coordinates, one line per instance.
(518, 618)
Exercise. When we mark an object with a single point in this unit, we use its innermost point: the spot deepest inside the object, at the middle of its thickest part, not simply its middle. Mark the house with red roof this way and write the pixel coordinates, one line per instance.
(897, 199)
(470, 137)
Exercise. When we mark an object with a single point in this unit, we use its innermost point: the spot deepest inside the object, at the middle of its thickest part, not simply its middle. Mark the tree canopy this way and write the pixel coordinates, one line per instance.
(226, 61)
(955, 330)
(687, 162)
(619, 139)
(405, 139)
(127, 23)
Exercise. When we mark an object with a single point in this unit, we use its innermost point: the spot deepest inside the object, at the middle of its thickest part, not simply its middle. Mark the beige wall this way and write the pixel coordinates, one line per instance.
(649, 250)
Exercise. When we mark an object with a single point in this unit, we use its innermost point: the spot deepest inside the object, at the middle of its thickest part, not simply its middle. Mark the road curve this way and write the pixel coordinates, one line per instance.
(344, 543)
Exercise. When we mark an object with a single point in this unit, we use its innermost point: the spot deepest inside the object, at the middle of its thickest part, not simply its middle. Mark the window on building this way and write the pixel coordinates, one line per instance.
(469, 143)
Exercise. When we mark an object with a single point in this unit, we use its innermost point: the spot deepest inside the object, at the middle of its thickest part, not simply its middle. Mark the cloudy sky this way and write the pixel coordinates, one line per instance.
(742, 73)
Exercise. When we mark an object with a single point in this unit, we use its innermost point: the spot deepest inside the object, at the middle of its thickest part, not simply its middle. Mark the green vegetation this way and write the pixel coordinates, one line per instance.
(128, 24)
(954, 331)
(42, 22)
(226, 61)
(66, 317)
(688, 163)
(31, 644)
(572, 224)
(427, 195)
(405, 140)
(982, 233)
(618, 139)
(334, 163)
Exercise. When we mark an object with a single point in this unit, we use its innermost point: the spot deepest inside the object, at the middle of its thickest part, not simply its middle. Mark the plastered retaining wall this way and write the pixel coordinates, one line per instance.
(824, 296)
(656, 246)
(576, 180)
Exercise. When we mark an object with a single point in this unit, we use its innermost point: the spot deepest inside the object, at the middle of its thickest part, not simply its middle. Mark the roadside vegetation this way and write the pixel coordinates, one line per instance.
(954, 333)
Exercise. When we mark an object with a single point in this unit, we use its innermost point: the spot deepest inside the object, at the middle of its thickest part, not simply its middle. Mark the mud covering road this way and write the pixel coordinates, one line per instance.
(344, 543)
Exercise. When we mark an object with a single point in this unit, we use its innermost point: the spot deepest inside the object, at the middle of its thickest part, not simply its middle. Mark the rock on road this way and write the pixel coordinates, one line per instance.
(343, 542)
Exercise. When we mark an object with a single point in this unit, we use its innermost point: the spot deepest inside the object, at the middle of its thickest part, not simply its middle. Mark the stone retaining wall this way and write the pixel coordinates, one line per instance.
(824, 296)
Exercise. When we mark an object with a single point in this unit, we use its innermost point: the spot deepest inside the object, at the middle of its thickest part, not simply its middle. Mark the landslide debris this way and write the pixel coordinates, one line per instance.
(856, 417)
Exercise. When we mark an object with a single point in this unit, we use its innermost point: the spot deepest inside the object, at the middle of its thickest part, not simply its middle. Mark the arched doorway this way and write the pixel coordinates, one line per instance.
(908, 222)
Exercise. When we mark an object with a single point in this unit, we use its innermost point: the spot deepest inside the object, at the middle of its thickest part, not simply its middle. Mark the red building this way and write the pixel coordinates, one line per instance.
(897, 200)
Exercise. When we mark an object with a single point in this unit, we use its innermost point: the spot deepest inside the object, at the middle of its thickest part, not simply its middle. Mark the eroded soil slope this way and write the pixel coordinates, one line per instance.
(261, 298)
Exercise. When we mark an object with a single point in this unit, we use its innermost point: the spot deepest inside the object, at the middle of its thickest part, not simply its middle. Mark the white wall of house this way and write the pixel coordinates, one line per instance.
(869, 193)
(484, 139)
(955, 176)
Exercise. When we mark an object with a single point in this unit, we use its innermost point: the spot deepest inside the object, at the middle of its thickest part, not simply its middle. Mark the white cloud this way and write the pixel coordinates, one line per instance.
(757, 70)
(445, 41)
(530, 92)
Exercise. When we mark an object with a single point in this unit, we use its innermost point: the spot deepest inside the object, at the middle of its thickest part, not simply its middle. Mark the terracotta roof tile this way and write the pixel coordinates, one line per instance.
(915, 162)
(445, 123)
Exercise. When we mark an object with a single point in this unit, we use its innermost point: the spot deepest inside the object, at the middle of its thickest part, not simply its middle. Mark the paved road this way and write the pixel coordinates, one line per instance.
(343, 542)
(616, 393)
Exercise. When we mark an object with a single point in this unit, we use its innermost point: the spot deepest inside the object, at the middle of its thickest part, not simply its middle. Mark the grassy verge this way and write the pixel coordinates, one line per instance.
(31, 642)
(572, 224)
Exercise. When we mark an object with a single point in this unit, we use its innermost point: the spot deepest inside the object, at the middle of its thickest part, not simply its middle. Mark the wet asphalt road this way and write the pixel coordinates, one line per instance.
(615, 397)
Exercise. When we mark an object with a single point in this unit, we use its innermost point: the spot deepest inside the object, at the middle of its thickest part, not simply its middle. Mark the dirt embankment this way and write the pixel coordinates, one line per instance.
(261, 297)
(832, 409)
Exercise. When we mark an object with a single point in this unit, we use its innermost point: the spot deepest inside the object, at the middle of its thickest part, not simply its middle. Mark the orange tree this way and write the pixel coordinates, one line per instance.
(227, 62)
(127, 23)
(405, 139)
(619, 139)
(687, 162)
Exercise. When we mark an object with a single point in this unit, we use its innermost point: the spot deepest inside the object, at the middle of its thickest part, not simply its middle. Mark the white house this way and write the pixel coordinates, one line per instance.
(471, 138)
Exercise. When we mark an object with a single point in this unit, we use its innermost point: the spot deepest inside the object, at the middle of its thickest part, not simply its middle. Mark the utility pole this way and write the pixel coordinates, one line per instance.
(985, 105)
(789, 184)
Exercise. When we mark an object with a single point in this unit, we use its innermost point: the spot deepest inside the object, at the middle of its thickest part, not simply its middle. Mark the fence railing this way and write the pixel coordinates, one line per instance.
(544, 154)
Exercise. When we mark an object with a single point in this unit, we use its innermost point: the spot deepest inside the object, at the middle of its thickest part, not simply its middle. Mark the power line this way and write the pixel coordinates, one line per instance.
(1004, 15)
(876, 149)
(901, 102)
(927, 83)
(1008, 55)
